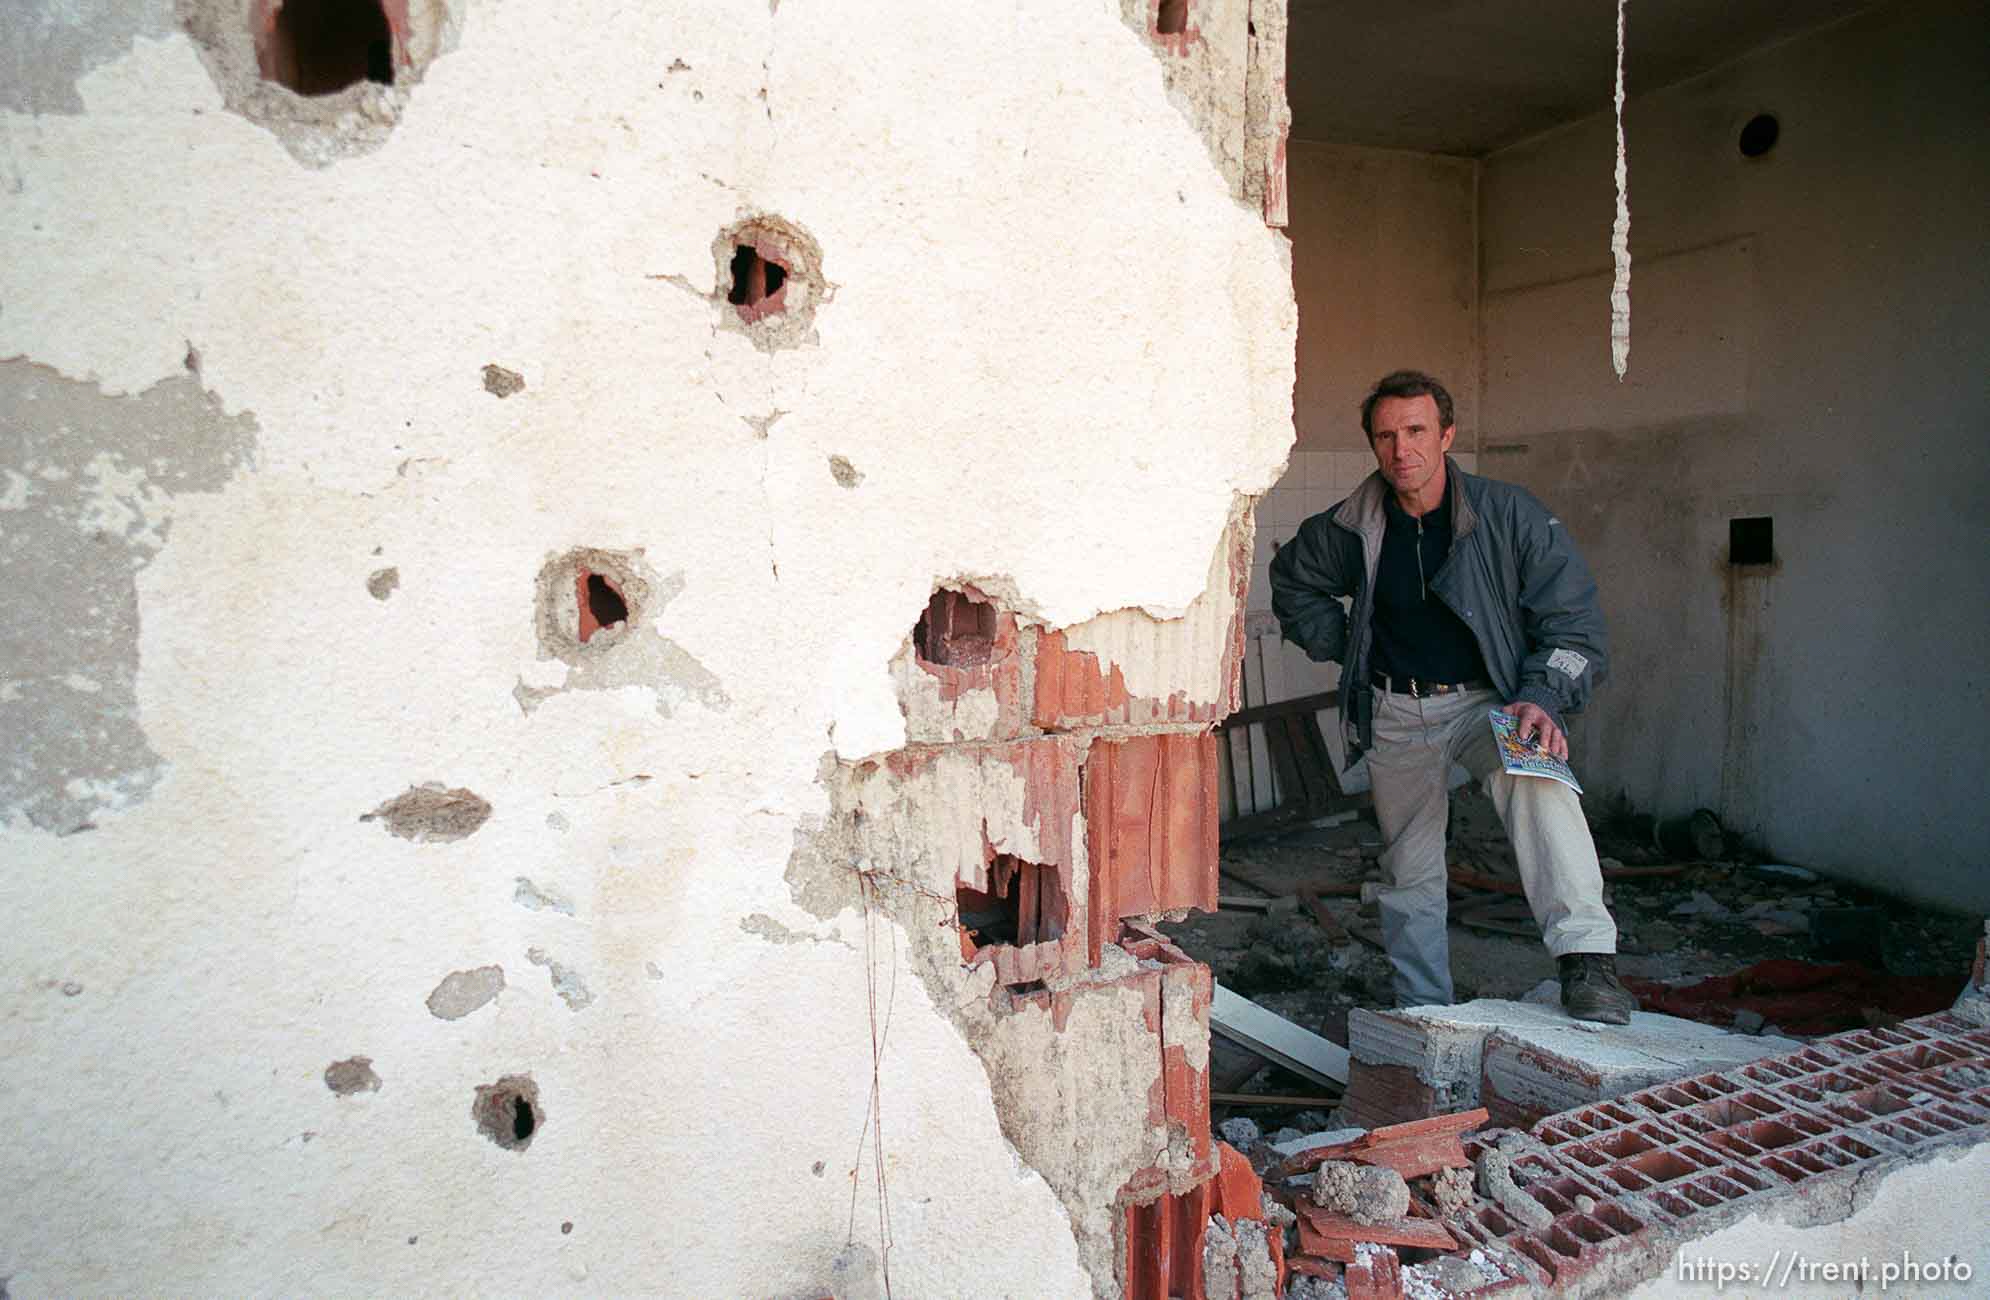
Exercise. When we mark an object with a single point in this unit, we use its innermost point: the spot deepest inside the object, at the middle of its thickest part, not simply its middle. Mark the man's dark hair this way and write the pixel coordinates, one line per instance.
(1406, 383)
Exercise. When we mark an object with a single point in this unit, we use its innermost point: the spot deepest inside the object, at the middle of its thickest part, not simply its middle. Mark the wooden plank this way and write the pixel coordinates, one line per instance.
(1274, 1037)
(1307, 704)
(1274, 1099)
(1328, 923)
(1239, 903)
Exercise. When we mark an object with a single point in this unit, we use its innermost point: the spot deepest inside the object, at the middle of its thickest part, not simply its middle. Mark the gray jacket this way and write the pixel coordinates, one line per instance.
(1513, 575)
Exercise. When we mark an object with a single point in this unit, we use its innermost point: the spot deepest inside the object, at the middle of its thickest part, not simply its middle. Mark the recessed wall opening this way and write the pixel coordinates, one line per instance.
(755, 278)
(1024, 904)
(320, 47)
(957, 629)
(1751, 541)
(600, 604)
(1171, 18)
(1760, 134)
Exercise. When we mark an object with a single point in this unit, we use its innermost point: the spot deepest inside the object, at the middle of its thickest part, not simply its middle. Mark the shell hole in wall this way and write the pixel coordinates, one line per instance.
(1760, 134)
(958, 629)
(320, 47)
(1024, 904)
(756, 282)
(508, 1112)
(1751, 541)
(1171, 17)
(600, 604)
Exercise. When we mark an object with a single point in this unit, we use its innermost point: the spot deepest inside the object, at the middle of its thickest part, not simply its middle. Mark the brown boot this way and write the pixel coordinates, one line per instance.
(1592, 991)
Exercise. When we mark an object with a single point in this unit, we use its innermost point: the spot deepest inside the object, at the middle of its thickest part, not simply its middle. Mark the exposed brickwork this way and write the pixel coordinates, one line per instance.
(1150, 827)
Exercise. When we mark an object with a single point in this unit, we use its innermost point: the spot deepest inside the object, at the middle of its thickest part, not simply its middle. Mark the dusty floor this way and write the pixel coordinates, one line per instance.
(1708, 918)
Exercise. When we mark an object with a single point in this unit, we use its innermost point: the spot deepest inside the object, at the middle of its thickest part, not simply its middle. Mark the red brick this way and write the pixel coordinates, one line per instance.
(1413, 1149)
(1375, 1274)
(1318, 1225)
(1150, 828)
(1239, 1192)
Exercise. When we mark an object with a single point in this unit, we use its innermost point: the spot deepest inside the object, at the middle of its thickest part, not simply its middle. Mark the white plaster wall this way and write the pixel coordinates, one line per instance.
(1808, 343)
(1055, 349)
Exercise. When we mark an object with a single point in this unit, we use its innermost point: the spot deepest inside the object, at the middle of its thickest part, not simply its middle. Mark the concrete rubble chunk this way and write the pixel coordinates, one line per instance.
(1495, 1183)
(1522, 1061)
(1365, 1193)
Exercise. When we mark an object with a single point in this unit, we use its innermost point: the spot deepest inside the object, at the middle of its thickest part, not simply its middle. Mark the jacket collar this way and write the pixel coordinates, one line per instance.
(1364, 511)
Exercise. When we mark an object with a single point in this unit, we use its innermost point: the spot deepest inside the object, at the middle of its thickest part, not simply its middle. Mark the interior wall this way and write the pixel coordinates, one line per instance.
(1385, 270)
(1808, 343)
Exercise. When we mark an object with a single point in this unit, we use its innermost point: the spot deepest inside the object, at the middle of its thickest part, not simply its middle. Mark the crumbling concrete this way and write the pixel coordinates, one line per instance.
(1494, 1181)
(1366, 1193)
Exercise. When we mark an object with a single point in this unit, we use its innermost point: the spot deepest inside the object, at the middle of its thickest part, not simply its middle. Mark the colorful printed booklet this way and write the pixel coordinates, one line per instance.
(1527, 758)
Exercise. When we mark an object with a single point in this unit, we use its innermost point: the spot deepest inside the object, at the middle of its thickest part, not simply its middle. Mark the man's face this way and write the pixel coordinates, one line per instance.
(1408, 443)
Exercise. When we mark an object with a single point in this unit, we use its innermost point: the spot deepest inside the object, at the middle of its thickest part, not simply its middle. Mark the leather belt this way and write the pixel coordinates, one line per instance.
(1423, 690)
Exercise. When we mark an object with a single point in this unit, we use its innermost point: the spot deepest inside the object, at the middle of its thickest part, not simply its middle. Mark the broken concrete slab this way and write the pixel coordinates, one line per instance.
(1521, 1060)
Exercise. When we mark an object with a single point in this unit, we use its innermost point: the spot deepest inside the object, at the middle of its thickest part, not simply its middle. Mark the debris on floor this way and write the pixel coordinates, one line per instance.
(1595, 1198)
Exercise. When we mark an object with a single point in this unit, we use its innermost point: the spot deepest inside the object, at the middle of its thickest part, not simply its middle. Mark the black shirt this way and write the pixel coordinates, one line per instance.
(1416, 634)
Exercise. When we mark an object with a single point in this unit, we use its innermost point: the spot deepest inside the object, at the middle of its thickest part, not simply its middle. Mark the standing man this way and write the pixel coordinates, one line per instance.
(1467, 596)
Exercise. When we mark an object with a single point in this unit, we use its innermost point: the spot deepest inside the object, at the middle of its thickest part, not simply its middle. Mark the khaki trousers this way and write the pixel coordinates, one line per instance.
(1416, 742)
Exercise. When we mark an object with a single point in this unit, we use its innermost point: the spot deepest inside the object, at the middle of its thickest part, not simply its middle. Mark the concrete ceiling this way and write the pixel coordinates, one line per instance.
(1469, 77)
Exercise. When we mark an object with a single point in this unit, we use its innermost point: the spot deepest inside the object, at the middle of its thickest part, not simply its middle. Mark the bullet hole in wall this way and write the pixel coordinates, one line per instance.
(1024, 904)
(508, 1111)
(767, 276)
(587, 599)
(1751, 541)
(599, 603)
(501, 383)
(319, 47)
(1760, 134)
(958, 630)
(1171, 17)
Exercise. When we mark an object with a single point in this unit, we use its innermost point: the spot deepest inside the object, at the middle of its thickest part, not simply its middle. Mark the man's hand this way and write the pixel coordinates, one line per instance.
(1533, 720)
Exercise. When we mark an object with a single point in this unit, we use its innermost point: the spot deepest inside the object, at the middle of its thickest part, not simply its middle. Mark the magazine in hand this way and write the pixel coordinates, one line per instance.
(1526, 757)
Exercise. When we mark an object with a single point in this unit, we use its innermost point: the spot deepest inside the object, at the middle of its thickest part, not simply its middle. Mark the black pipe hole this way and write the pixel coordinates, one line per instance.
(319, 47)
(521, 1121)
(1760, 135)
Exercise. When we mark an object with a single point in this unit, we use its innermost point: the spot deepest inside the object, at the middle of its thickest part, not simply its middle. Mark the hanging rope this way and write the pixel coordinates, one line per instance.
(1620, 230)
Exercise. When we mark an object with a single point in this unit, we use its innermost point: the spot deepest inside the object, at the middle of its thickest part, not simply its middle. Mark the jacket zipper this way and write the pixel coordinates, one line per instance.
(1422, 586)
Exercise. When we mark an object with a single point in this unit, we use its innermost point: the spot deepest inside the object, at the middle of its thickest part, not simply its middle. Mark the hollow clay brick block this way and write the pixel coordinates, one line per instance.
(1164, 1246)
(1076, 688)
(1150, 828)
(1375, 1274)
